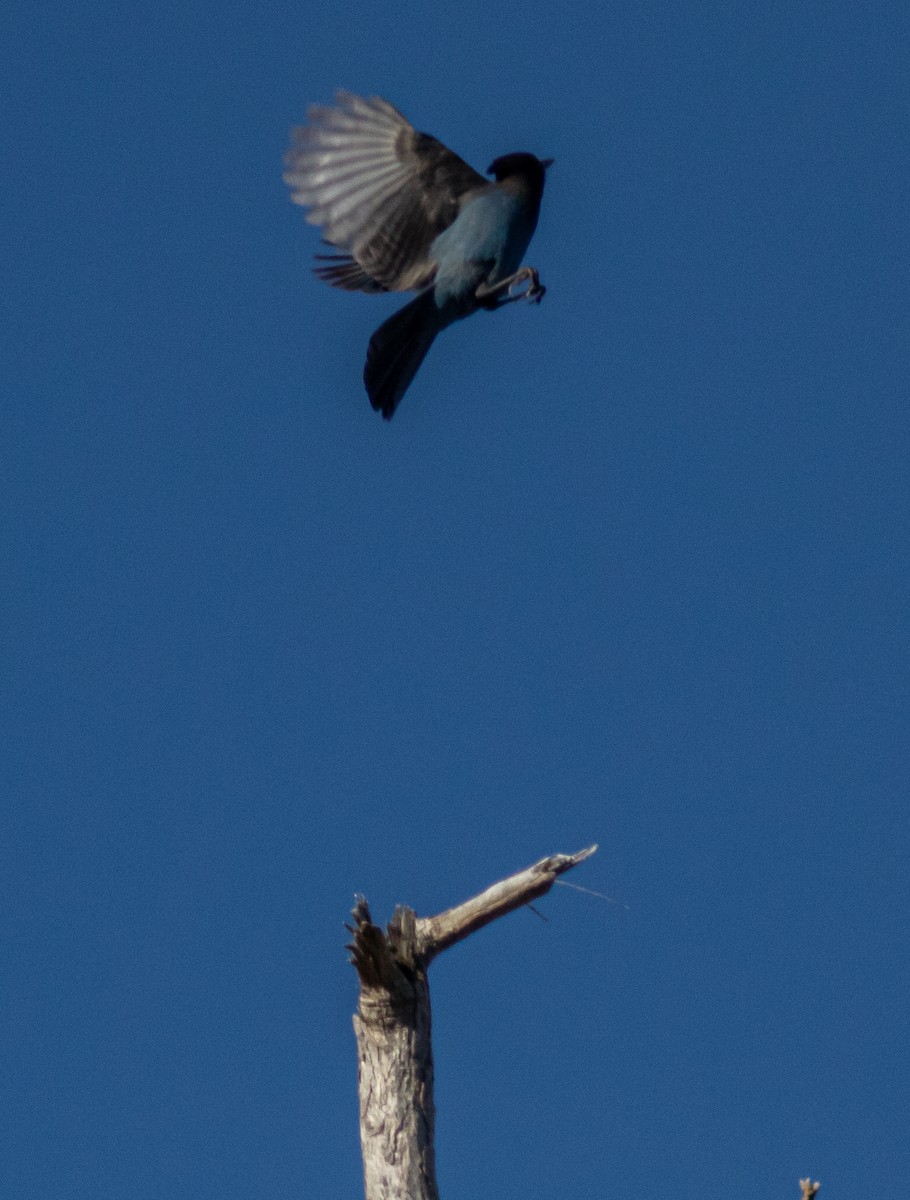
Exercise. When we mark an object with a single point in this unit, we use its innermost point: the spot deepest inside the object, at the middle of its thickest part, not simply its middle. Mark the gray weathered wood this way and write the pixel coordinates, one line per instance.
(392, 1025)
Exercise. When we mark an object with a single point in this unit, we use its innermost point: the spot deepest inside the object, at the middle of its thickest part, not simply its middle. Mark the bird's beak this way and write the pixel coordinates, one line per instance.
(547, 162)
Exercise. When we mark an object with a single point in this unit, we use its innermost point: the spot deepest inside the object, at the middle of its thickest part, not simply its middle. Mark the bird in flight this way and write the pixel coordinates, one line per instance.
(406, 214)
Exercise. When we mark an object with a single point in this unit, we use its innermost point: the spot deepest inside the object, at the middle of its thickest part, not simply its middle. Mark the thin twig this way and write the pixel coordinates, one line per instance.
(590, 892)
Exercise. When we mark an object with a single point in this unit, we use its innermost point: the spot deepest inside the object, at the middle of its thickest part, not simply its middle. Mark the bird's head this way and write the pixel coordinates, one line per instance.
(527, 166)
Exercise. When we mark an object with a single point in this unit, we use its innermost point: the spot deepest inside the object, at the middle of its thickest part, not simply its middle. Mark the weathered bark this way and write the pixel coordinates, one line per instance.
(393, 1025)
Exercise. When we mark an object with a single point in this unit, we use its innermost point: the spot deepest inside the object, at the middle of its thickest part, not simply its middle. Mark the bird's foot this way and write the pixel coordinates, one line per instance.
(535, 290)
(507, 291)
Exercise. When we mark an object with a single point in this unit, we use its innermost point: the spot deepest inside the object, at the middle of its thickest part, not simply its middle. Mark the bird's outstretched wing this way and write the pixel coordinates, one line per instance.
(380, 190)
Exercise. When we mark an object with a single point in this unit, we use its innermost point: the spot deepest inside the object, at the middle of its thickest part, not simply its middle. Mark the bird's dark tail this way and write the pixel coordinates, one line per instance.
(397, 349)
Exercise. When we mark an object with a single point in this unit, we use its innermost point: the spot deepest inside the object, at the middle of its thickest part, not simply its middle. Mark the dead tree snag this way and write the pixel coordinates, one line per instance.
(393, 1025)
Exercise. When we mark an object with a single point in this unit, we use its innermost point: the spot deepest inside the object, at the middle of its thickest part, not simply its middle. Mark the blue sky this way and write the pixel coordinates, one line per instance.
(631, 567)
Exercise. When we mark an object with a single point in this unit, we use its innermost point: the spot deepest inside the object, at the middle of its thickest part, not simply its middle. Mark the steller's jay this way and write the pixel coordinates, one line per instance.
(409, 215)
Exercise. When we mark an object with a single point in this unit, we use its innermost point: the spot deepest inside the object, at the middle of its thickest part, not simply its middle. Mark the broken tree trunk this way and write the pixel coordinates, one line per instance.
(393, 1025)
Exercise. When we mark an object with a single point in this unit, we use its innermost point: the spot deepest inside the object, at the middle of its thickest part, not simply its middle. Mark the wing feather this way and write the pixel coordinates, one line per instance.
(381, 191)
